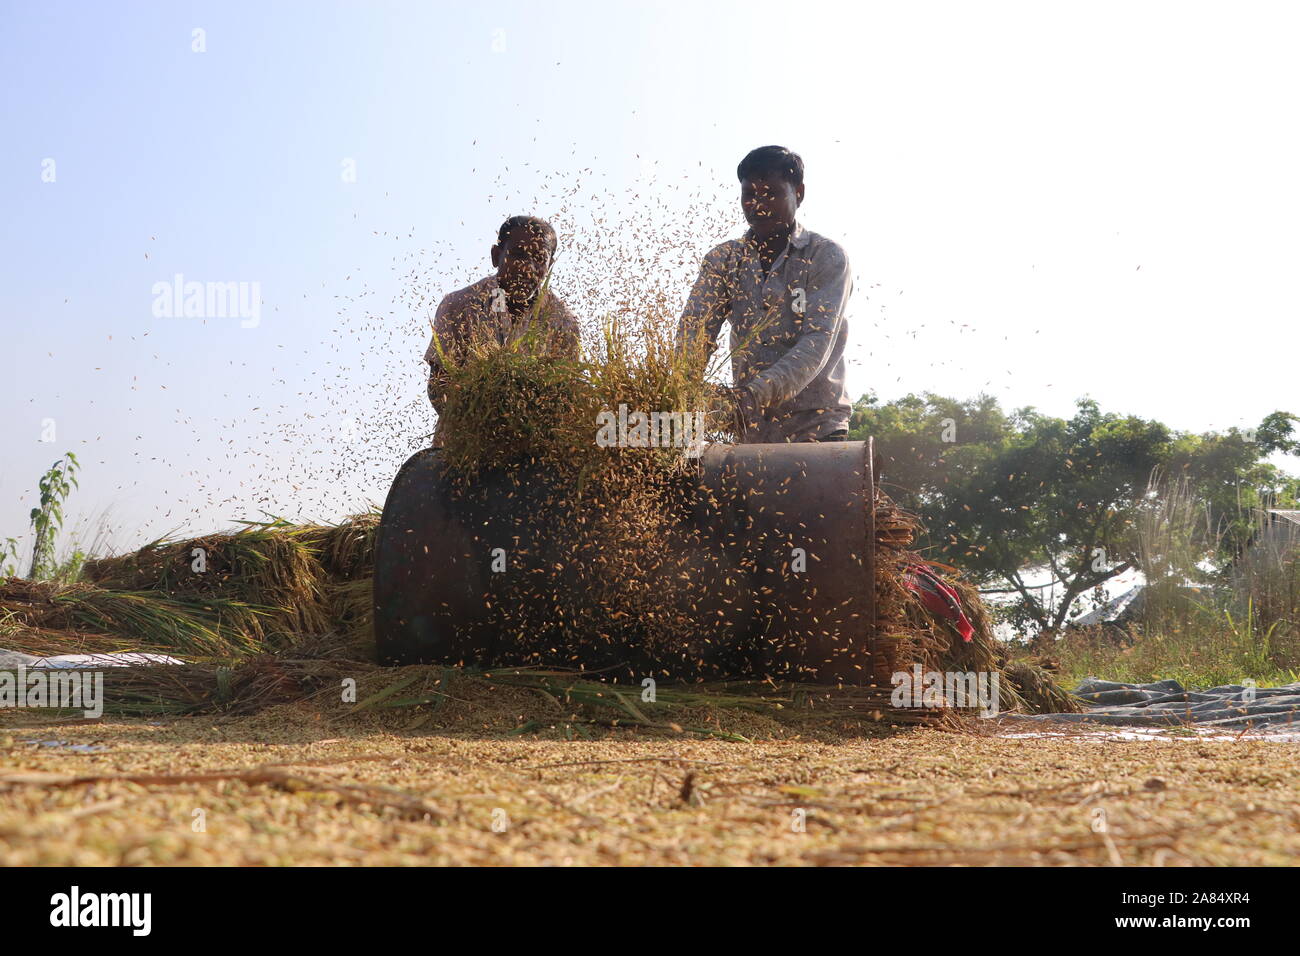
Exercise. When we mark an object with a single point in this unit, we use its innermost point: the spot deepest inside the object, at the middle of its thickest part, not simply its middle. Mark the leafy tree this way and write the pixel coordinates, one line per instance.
(1006, 494)
(1227, 472)
(1274, 433)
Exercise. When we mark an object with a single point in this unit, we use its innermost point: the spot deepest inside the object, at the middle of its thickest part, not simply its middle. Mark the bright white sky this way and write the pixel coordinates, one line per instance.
(1040, 200)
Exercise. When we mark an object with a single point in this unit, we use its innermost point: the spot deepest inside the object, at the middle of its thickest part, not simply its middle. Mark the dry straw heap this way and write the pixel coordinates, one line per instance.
(257, 590)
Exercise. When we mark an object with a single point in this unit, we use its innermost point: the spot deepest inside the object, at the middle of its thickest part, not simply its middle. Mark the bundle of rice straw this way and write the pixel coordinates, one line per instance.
(271, 566)
(918, 636)
(45, 618)
(265, 586)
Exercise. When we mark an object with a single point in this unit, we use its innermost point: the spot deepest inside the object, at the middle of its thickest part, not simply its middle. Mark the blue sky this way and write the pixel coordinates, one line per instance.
(1040, 201)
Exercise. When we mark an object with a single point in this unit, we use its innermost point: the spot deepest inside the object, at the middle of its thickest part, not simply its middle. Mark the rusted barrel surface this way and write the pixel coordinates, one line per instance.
(782, 571)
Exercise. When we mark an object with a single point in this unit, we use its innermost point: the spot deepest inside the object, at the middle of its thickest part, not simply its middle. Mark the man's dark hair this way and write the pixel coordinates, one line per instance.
(527, 222)
(771, 161)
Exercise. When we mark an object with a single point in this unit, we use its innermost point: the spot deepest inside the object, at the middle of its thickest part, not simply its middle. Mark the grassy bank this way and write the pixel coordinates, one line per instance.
(1208, 644)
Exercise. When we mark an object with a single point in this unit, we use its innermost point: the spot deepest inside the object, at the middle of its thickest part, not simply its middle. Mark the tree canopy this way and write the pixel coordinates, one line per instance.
(1005, 495)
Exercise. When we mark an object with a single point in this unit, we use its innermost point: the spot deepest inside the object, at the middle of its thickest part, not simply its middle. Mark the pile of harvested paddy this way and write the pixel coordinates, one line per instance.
(273, 567)
(223, 596)
(912, 634)
(1037, 688)
(94, 619)
(345, 550)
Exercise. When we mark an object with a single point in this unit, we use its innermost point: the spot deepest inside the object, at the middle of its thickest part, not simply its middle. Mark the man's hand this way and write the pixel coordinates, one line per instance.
(734, 407)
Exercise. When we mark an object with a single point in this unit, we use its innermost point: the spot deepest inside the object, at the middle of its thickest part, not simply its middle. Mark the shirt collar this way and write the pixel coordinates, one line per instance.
(799, 237)
(491, 285)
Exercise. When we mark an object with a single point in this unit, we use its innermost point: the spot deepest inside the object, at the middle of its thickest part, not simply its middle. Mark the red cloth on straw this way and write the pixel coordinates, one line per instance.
(938, 597)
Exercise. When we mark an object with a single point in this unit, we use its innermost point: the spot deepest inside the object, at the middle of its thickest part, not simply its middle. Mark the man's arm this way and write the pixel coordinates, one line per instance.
(830, 281)
(444, 334)
(706, 308)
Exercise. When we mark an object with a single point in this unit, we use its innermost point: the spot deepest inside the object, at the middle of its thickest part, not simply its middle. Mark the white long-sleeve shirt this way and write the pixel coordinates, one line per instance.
(787, 331)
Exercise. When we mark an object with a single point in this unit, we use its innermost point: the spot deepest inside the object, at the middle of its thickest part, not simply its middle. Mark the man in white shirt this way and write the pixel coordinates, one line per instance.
(784, 290)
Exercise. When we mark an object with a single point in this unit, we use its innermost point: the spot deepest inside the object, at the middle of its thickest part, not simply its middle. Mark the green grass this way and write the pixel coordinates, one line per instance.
(1205, 647)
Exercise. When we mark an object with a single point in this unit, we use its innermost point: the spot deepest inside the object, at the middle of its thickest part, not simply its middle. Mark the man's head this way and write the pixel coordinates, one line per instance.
(771, 189)
(522, 255)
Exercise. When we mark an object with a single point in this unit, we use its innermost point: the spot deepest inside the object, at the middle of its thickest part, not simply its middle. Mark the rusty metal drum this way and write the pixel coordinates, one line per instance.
(779, 544)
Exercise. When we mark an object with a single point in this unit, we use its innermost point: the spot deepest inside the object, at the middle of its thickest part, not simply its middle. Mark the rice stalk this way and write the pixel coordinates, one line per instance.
(271, 565)
(137, 620)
